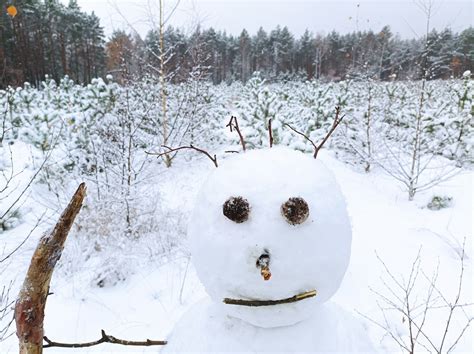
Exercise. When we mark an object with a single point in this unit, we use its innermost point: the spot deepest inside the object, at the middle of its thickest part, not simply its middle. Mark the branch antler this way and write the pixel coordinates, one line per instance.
(337, 121)
(233, 124)
(192, 147)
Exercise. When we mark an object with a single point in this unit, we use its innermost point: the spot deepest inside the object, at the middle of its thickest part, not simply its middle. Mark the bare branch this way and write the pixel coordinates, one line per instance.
(303, 135)
(24, 240)
(159, 154)
(28, 185)
(337, 121)
(105, 338)
(233, 124)
(460, 335)
(386, 328)
(415, 315)
(30, 304)
(456, 301)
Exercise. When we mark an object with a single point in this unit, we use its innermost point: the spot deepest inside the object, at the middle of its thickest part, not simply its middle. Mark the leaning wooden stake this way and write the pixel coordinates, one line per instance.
(30, 304)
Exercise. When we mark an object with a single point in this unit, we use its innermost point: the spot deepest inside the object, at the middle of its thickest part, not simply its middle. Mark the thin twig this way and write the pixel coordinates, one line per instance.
(303, 135)
(406, 306)
(456, 301)
(106, 338)
(24, 240)
(184, 281)
(159, 154)
(386, 328)
(28, 185)
(460, 335)
(337, 121)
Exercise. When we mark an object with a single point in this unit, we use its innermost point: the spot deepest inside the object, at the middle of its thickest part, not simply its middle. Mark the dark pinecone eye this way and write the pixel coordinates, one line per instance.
(295, 210)
(236, 209)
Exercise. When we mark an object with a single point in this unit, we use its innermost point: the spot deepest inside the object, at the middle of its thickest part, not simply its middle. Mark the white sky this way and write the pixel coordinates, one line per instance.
(319, 16)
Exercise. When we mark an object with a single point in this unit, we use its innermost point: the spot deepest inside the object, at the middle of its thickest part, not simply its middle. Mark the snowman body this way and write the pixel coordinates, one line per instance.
(205, 328)
(270, 227)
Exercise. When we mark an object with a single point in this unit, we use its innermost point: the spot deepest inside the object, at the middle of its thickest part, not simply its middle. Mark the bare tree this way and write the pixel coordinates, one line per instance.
(401, 297)
(415, 169)
(179, 115)
(412, 157)
(162, 74)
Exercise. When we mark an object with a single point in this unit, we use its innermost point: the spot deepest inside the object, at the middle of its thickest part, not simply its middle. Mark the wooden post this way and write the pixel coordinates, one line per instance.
(30, 304)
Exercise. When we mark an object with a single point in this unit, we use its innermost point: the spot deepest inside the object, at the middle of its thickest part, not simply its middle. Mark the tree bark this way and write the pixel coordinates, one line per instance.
(30, 304)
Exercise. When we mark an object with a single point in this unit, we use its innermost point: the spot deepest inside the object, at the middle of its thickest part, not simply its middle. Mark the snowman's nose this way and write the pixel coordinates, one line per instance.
(263, 262)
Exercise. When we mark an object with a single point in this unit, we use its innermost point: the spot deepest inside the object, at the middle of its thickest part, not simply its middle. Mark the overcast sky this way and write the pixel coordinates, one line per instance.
(319, 16)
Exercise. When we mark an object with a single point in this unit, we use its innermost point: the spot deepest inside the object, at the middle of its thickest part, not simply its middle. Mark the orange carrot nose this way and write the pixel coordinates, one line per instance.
(263, 262)
(266, 274)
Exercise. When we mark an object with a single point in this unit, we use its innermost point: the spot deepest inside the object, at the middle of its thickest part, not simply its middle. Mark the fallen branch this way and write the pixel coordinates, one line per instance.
(256, 303)
(30, 304)
(106, 338)
(159, 154)
(233, 124)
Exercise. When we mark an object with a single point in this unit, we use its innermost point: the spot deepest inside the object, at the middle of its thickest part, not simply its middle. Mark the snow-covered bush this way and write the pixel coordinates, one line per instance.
(100, 134)
(439, 202)
(256, 105)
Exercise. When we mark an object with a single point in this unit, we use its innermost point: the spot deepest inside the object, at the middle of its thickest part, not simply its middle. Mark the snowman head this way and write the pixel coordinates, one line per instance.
(269, 225)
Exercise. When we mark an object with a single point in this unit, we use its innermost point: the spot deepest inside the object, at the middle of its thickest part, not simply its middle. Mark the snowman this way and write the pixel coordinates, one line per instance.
(271, 240)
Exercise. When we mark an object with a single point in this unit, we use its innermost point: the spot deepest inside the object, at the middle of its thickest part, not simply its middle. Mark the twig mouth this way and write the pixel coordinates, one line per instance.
(257, 303)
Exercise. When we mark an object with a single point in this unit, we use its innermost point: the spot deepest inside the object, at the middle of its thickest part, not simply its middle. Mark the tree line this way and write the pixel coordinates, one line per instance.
(49, 38)
(278, 54)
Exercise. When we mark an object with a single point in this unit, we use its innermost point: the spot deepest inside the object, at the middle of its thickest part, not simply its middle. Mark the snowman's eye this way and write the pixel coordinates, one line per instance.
(295, 210)
(236, 209)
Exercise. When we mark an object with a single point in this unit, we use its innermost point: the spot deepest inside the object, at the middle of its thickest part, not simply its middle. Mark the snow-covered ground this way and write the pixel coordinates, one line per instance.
(127, 268)
(152, 298)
